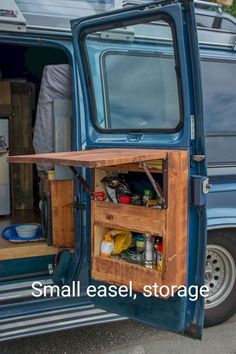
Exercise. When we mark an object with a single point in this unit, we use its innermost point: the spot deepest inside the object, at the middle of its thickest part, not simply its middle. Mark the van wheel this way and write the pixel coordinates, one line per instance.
(220, 276)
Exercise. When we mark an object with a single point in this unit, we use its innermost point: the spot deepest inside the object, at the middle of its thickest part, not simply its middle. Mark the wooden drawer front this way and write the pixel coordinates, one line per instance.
(131, 217)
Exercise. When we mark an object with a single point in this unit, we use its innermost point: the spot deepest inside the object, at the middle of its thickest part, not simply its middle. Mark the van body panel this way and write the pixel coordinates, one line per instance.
(175, 314)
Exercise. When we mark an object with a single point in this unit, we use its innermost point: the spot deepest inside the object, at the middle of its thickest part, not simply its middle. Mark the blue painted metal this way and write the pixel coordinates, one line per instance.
(198, 197)
(176, 313)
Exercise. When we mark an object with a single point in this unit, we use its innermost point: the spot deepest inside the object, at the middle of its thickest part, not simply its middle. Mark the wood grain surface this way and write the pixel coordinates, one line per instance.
(128, 217)
(92, 158)
(5, 92)
(175, 243)
(62, 196)
(21, 184)
(21, 122)
(10, 250)
(120, 272)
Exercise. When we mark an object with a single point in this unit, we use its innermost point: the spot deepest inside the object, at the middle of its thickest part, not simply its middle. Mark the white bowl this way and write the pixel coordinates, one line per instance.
(26, 230)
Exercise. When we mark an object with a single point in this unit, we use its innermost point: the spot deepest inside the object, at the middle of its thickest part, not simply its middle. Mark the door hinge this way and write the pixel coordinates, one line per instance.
(198, 158)
(121, 34)
(50, 269)
(78, 205)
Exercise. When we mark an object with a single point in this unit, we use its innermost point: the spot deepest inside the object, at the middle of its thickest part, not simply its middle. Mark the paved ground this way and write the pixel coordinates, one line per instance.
(127, 337)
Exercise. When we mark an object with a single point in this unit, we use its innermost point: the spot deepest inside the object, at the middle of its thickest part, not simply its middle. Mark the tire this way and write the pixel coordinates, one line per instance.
(220, 276)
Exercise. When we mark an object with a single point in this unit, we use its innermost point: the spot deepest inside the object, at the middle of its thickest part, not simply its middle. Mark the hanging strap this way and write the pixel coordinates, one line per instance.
(82, 181)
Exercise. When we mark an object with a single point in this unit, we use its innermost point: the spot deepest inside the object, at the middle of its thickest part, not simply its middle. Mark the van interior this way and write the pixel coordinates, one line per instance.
(29, 97)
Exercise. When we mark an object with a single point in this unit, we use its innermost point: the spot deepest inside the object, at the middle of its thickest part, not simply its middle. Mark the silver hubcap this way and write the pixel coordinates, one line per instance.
(220, 275)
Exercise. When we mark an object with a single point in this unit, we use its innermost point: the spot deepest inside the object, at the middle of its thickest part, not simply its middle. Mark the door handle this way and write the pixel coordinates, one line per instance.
(200, 187)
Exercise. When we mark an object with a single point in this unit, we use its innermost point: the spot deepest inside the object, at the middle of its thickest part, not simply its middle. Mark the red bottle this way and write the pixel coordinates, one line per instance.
(159, 256)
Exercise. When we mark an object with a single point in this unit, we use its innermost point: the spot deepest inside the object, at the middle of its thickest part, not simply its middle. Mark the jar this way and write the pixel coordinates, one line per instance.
(136, 200)
(139, 242)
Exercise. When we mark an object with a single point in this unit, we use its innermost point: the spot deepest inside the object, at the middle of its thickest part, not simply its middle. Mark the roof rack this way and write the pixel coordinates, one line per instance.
(200, 3)
(208, 5)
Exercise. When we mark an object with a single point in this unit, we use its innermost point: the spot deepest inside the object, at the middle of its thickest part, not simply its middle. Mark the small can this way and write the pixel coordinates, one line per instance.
(140, 243)
(151, 203)
(99, 196)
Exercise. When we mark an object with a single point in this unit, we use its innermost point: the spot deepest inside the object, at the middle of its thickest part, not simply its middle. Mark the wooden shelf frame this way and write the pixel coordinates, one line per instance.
(170, 223)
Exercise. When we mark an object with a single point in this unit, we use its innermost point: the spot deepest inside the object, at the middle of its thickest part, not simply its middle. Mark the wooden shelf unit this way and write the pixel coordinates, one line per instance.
(169, 223)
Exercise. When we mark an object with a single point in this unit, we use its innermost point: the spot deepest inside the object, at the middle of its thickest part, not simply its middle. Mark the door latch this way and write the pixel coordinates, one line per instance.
(206, 186)
(78, 205)
(200, 187)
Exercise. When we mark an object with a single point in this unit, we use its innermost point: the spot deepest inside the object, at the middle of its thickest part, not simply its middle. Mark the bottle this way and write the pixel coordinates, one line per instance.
(147, 195)
(148, 251)
(159, 256)
(107, 246)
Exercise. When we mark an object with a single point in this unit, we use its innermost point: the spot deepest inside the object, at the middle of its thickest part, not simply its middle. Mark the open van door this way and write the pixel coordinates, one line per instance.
(142, 115)
(140, 77)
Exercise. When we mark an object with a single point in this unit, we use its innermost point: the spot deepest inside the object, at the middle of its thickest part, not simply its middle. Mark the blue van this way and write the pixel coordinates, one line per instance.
(102, 130)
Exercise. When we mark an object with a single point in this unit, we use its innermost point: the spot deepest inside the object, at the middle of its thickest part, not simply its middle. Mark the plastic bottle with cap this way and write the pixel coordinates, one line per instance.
(107, 246)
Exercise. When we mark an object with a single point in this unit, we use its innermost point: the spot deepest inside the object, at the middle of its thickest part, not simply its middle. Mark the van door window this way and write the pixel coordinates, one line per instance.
(143, 88)
(219, 95)
(219, 100)
(135, 85)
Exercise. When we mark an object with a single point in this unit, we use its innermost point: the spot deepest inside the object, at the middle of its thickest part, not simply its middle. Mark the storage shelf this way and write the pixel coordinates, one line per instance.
(170, 223)
(11, 250)
(109, 269)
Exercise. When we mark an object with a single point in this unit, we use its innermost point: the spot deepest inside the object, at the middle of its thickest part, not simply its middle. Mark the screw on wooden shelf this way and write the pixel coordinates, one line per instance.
(109, 216)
